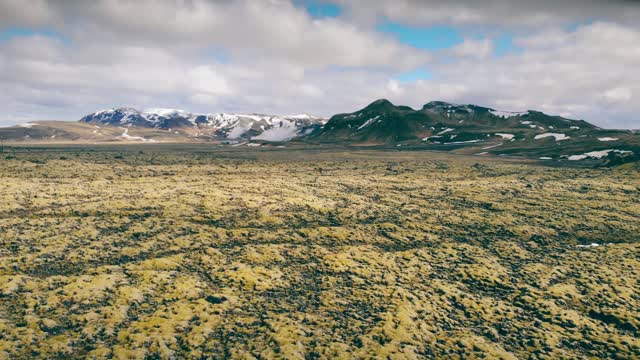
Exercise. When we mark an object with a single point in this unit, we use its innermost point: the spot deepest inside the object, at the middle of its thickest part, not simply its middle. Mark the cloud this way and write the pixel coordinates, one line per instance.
(618, 94)
(591, 74)
(474, 48)
(247, 29)
(63, 77)
(509, 13)
(273, 57)
(159, 53)
(13, 13)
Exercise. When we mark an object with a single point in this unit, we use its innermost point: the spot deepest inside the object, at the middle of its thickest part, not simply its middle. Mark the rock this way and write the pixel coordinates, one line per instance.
(50, 326)
(215, 299)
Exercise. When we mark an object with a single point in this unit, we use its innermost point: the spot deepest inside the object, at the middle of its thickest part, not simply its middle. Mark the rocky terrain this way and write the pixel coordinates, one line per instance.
(189, 251)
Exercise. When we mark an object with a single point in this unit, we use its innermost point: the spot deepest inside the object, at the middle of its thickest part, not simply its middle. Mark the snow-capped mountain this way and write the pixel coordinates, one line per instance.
(232, 126)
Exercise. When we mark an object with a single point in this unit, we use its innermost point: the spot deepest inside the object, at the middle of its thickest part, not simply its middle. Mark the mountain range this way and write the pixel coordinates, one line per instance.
(438, 125)
(441, 122)
(223, 125)
(478, 130)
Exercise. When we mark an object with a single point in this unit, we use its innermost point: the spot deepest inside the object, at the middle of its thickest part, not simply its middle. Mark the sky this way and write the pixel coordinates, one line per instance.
(62, 59)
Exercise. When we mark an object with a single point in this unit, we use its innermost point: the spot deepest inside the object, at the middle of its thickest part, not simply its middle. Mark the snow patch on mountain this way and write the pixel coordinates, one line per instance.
(465, 142)
(125, 136)
(368, 122)
(281, 131)
(445, 131)
(558, 137)
(506, 136)
(507, 114)
(596, 154)
(278, 134)
(239, 130)
(492, 146)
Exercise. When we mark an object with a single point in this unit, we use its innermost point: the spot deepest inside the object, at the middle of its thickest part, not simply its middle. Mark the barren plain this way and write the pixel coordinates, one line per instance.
(134, 252)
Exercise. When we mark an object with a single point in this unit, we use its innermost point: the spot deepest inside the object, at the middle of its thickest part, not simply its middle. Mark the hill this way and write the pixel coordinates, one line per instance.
(67, 131)
(479, 130)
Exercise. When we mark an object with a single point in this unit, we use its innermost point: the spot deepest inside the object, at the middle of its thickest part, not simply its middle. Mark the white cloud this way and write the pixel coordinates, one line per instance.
(13, 13)
(509, 13)
(272, 57)
(592, 75)
(394, 87)
(618, 94)
(204, 80)
(482, 48)
(245, 28)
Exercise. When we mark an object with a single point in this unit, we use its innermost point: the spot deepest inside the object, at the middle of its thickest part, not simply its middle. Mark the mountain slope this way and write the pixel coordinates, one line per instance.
(383, 121)
(223, 125)
(72, 131)
(478, 130)
(465, 129)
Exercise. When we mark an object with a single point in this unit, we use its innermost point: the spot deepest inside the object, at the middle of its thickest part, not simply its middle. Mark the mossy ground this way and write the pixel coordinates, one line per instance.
(121, 253)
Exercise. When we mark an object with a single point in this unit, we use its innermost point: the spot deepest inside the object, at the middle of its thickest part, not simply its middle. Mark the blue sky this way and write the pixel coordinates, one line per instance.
(322, 9)
(18, 32)
(417, 74)
(434, 38)
(504, 45)
(431, 38)
(426, 38)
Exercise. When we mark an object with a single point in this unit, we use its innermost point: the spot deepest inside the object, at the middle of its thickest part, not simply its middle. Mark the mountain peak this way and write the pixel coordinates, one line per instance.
(380, 105)
(438, 104)
(445, 107)
(123, 109)
(381, 101)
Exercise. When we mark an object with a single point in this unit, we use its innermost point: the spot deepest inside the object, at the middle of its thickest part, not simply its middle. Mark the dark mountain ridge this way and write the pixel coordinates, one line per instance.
(385, 122)
(479, 130)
